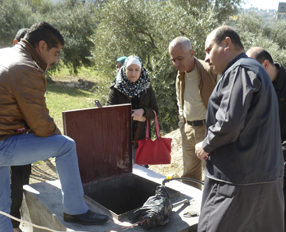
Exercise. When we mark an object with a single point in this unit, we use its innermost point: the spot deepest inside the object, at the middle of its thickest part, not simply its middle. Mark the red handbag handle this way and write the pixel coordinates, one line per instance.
(158, 133)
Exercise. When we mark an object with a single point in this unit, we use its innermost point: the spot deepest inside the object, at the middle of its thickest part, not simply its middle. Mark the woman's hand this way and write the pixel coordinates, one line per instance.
(137, 115)
(142, 119)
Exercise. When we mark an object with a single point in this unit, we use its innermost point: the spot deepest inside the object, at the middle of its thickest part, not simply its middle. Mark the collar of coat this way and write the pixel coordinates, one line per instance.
(279, 82)
(35, 55)
(197, 66)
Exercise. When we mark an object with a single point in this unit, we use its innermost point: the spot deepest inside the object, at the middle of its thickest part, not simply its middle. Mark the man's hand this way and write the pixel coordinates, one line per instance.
(201, 154)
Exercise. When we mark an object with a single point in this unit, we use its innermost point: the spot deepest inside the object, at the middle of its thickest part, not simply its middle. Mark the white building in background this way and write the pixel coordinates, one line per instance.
(281, 7)
(281, 12)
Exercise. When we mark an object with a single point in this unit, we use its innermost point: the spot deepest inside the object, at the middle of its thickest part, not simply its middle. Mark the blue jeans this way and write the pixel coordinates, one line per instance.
(28, 148)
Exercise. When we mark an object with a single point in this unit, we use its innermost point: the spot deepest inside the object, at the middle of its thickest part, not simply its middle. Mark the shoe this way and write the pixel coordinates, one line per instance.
(88, 218)
(17, 229)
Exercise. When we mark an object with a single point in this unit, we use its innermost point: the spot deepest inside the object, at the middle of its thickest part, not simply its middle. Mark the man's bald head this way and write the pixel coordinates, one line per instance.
(222, 45)
(183, 41)
(265, 59)
(259, 54)
(219, 34)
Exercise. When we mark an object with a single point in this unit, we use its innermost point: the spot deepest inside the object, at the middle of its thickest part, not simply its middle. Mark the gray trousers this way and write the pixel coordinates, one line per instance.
(233, 208)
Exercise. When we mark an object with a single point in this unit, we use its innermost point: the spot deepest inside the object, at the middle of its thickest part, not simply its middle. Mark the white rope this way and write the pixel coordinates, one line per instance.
(29, 223)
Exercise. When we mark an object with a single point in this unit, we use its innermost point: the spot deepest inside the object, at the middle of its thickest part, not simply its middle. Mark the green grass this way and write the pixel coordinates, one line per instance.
(86, 73)
(63, 98)
(60, 98)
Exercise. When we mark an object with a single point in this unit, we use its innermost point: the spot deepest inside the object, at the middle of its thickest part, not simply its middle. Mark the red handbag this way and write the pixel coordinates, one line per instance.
(153, 152)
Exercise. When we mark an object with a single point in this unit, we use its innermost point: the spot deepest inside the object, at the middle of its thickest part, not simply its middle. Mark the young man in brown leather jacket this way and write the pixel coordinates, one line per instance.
(27, 132)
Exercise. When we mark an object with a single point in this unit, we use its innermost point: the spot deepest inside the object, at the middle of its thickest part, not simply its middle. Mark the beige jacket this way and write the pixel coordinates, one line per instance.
(207, 82)
(22, 93)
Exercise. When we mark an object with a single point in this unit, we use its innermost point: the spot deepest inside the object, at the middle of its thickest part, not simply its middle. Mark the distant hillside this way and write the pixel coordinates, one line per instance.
(266, 14)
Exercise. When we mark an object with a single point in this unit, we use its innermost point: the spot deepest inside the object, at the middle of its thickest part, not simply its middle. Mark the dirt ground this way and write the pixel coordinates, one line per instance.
(43, 171)
(175, 169)
(46, 170)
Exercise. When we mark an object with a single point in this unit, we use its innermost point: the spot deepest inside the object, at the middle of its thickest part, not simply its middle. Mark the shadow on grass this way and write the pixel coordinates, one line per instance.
(63, 88)
(43, 171)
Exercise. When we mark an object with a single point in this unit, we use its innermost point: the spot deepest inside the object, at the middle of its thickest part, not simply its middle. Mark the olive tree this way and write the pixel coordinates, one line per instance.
(254, 32)
(75, 20)
(14, 15)
(76, 23)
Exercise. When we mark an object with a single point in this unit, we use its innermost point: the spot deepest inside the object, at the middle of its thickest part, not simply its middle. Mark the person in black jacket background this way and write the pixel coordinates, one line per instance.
(19, 174)
(277, 74)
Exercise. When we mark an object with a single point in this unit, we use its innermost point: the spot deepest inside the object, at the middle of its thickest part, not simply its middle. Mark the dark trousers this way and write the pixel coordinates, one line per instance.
(19, 177)
(284, 191)
(250, 208)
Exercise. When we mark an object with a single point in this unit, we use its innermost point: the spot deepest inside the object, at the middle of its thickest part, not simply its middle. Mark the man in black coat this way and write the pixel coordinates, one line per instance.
(242, 147)
(277, 74)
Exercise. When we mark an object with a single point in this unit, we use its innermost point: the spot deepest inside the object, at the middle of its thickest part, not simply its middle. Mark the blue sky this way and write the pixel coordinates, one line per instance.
(263, 4)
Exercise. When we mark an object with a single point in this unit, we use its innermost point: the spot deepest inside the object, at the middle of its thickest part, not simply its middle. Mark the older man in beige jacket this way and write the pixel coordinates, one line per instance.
(194, 85)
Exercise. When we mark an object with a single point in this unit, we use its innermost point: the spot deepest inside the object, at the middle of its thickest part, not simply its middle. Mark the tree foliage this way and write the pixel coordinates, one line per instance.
(73, 19)
(270, 35)
(14, 15)
(76, 23)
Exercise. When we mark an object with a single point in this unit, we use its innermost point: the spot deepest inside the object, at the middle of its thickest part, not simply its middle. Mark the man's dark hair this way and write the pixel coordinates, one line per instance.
(226, 31)
(21, 33)
(46, 32)
(262, 55)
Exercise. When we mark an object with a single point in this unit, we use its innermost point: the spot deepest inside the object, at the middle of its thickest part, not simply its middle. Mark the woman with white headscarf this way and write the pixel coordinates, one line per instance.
(132, 85)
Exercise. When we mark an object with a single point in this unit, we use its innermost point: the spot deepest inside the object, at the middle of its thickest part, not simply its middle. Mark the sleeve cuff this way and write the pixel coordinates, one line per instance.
(206, 147)
(144, 111)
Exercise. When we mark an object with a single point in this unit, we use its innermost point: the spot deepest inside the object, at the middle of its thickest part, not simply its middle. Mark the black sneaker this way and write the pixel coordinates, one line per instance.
(88, 218)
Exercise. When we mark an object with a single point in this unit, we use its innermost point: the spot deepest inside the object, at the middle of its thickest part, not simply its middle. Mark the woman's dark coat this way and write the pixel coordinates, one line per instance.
(147, 101)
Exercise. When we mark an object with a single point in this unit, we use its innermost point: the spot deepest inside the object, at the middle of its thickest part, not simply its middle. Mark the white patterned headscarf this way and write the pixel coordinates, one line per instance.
(132, 89)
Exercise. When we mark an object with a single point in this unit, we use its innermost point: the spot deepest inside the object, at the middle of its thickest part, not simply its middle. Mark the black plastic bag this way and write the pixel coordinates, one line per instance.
(155, 211)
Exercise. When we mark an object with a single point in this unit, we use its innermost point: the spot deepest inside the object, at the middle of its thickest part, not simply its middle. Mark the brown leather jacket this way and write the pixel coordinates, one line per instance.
(22, 93)
(207, 82)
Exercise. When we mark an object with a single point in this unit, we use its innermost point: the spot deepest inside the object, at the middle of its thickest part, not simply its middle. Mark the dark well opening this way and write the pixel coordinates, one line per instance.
(123, 194)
